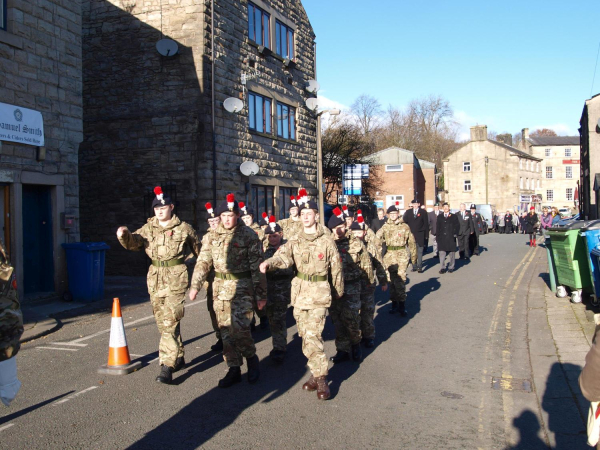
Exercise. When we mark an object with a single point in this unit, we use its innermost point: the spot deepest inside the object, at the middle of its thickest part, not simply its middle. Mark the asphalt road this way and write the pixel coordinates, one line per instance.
(426, 384)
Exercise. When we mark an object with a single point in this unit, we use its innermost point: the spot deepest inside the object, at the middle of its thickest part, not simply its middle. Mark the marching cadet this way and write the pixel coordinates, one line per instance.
(360, 230)
(235, 253)
(478, 224)
(465, 231)
(348, 216)
(279, 284)
(320, 275)
(168, 242)
(396, 235)
(247, 216)
(345, 311)
(292, 225)
(213, 223)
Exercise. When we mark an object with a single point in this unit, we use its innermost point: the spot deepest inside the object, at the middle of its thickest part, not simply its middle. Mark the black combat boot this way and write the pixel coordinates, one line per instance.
(403, 312)
(369, 342)
(253, 369)
(340, 356)
(394, 308)
(277, 356)
(264, 323)
(166, 375)
(218, 346)
(356, 352)
(234, 375)
(179, 364)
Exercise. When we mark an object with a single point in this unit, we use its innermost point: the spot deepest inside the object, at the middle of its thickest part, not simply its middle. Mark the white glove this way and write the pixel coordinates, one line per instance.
(9, 384)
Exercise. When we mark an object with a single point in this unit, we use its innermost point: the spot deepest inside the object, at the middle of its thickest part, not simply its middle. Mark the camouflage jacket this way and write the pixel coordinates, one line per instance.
(291, 227)
(314, 255)
(373, 247)
(258, 230)
(210, 234)
(396, 234)
(11, 319)
(236, 250)
(176, 240)
(356, 261)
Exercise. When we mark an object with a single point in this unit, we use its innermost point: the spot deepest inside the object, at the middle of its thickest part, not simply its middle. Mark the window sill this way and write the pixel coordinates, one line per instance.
(271, 136)
(289, 141)
(266, 50)
(11, 39)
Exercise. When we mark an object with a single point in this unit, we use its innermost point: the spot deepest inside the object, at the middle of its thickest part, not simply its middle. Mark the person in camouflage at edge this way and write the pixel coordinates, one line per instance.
(396, 235)
(361, 231)
(235, 253)
(345, 311)
(320, 275)
(292, 225)
(168, 242)
(213, 223)
(278, 293)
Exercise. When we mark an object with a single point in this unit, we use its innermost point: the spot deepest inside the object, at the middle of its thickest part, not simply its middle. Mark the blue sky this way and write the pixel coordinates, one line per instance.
(505, 64)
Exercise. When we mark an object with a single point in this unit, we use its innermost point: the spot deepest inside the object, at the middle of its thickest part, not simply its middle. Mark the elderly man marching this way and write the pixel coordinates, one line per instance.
(319, 273)
(168, 242)
(235, 253)
(396, 235)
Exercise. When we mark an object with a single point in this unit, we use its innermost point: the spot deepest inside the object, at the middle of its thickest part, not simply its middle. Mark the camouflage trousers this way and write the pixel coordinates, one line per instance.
(397, 284)
(310, 328)
(233, 307)
(211, 310)
(260, 313)
(278, 296)
(168, 312)
(367, 310)
(345, 314)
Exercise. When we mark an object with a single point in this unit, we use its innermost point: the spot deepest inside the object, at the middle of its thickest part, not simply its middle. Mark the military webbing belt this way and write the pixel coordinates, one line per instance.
(305, 277)
(170, 263)
(391, 247)
(233, 276)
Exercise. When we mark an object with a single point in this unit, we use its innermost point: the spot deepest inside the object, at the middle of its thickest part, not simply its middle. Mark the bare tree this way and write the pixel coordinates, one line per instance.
(366, 111)
(543, 132)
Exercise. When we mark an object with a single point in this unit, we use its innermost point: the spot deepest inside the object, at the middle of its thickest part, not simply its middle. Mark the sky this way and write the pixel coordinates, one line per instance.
(505, 64)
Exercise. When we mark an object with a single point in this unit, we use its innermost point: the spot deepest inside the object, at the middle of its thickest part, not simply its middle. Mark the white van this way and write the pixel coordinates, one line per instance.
(487, 212)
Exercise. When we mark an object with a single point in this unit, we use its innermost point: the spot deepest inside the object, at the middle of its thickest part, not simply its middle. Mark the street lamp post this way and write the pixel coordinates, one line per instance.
(333, 112)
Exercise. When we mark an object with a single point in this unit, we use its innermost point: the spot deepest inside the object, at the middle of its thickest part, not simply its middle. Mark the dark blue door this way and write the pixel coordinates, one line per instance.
(38, 260)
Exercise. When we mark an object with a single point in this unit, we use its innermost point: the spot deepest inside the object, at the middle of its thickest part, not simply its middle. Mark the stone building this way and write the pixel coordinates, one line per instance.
(589, 133)
(487, 171)
(151, 119)
(40, 131)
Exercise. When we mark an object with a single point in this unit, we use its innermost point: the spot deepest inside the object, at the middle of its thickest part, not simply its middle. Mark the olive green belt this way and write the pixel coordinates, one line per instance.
(305, 277)
(391, 247)
(233, 276)
(170, 263)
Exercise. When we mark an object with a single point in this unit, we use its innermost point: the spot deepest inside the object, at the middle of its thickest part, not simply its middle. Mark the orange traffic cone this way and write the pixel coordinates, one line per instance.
(119, 362)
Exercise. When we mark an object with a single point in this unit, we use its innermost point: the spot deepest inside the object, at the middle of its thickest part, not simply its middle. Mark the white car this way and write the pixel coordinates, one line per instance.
(565, 212)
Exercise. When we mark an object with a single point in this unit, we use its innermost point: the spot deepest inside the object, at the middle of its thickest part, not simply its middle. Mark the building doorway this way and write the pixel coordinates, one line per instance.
(5, 216)
(38, 258)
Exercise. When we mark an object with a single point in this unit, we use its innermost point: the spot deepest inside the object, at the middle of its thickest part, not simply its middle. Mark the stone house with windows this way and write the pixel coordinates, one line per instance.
(589, 132)
(152, 118)
(488, 171)
(41, 128)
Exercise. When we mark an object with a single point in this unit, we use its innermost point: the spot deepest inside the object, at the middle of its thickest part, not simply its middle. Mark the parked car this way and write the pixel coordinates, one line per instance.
(565, 212)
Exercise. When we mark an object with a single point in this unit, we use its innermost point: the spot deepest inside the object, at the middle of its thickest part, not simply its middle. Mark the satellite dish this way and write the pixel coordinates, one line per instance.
(167, 47)
(249, 168)
(233, 104)
(312, 103)
(312, 86)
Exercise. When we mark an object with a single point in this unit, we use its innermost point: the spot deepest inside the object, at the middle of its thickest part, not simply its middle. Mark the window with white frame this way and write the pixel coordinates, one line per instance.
(569, 172)
(568, 152)
(284, 37)
(259, 113)
(467, 186)
(520, 183)
(394, 168)
(527, 165)
(548, 152)
(286, 121)
(549, 172)
(537, 167)
(539, 184)
(569, 194)
(259, 30)
(527, 183)
(550, 195)
(466, 166)
(392, 199)
(520, 164)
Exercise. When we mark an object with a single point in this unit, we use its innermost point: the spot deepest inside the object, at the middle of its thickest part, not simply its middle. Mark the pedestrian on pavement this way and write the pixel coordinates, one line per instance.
(501, 223)
(532, 223)
(213, 223)
(319, 277)
(433, 215)
(396, 236)
(235, 254)
(478, 224)
(168, 242)
(555, 216)
(378, 222)
(508, 223)
(447, 229)
(545, 220)
(515, 222)
(523, 222)
(11, 329)
(466, 229)
(418, 223)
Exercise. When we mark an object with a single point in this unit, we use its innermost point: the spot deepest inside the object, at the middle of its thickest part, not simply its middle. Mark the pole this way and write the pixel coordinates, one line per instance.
(486, 181)
(320, 172)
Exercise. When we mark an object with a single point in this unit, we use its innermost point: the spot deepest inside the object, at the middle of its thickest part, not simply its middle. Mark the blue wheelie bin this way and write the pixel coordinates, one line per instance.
(591, 235)
(85, 266)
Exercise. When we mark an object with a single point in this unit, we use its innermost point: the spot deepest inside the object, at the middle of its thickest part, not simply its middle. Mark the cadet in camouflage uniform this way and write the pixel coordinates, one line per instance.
(168, 242)
(361, 231)
(319, 273)
(345, 311)
(235, 253)
(396, 235)
(279, 283)
(292, 225)
(213, 223)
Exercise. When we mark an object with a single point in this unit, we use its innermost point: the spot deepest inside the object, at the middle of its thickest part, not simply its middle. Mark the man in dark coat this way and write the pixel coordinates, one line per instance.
(378, 222)
(465, 231)
(478, 224)
(416, 219)
(508, 223)
(447, 227)
(433, 215)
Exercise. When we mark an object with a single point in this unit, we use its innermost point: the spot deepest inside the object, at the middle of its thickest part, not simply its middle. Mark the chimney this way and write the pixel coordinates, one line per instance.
(479, 133)
(505, 138)
(525, 136)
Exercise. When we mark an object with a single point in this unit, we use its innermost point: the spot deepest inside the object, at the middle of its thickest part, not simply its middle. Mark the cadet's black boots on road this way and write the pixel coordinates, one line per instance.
(233, 376)
(277, 356)
(179, 364)
(394, 308)
(340, 356)
(217, 347)
(166, 375)
(311, 384)
(323, 388)
(403, 312)
(253, 369)
(356, 352)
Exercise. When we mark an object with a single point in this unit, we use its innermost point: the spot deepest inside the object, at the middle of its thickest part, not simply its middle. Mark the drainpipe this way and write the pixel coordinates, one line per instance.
(212, 90)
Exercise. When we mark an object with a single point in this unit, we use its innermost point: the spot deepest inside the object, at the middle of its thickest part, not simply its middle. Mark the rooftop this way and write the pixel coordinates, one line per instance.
(549, 141)
(514, 150)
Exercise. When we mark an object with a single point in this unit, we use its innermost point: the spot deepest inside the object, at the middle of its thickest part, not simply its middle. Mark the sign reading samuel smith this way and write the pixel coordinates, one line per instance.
(21, 125)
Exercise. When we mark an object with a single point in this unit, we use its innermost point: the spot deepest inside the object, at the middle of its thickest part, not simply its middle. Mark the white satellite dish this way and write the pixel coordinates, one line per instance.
(312, 86)
(312, 103)
(249, 168)
(167, 47)
(233, 104)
